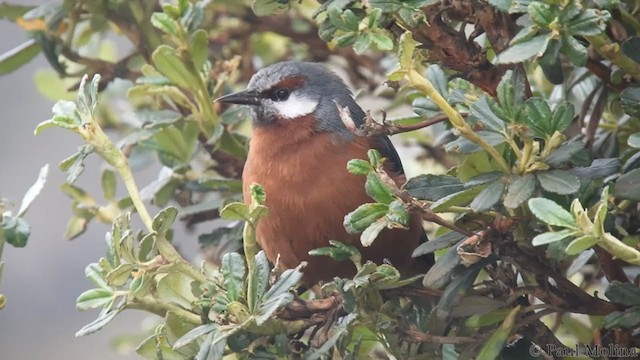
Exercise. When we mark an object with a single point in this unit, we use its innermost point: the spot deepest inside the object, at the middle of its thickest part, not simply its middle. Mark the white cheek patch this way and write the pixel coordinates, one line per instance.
(295, 106)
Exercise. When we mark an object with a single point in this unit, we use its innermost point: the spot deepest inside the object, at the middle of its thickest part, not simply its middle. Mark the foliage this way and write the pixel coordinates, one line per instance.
(537, 211)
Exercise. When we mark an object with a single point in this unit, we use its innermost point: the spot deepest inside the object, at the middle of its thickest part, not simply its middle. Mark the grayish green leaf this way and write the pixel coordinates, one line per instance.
(233, 270)
(438, 243)
(581, 244)
(627, 186)
(361, 218)
(98, 323)
(520, 189)
(194, 334)
(18, 56)
(525, 50)
(482, 111)
(433, 187)
(551, 213)
(488, 197)
(552, 236)
(34, 190)
(559, 181)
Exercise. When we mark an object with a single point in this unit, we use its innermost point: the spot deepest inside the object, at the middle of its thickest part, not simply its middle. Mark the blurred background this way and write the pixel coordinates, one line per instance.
(40, 318)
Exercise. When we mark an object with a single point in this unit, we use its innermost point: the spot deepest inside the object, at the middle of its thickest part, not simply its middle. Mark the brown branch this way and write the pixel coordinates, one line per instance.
(373, 128)
(611, 268)
(596, 116)
(417, 336)
(566, 295)
(604, 74)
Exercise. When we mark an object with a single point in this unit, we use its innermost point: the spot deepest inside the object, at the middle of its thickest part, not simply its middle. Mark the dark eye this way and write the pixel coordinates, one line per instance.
(280, 95)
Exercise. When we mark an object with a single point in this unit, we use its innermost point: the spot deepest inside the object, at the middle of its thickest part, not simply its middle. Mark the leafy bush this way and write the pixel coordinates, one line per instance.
(536, 104)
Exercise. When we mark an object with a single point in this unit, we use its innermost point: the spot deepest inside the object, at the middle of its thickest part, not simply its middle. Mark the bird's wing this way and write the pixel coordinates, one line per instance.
(383, 143)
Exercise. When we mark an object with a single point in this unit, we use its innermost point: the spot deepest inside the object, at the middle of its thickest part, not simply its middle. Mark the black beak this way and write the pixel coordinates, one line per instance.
(244, 97)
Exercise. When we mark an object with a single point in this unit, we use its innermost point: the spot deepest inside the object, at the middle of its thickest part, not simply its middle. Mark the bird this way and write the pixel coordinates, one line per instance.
(298, 153)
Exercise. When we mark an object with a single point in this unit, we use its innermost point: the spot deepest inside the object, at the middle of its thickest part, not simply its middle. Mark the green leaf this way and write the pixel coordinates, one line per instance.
(559, 181)
(269, 7)
(525, 50)
(163, 221)
(12, 12)
(381, 41)
(623, 293)
(120, 275)
(18, 56)
(34, 190)
(95, 274)
(438, 79)
(461, 198)
(439, 275)
(337, 251)
(538, 116)
(552, 236)
(194, 334)
(98, 323)
(108, 183)
(279, 295)
(362, 43)
(361, 218)
(599, 168)
(482, 111)
(630, 318)
(631, 48)
(233, 271)
(166, 60)
(433, 187)
(482, 179)
(581, 244)
(94, 298)
(519, 190)
(502, 5)
(464, 146)
(562, 117)
(165, 23)
(491, 318)
(175, 288)
(228, 238)
(372, 231)
(543, 14)
(213, 346)
(16, 230)
(235, 211)
(462, 280)
(438, 243)
(492, 347)
(386, 6)
(627, 186)
(287, 280)
(475, 304)
(551, 213)
(575, 51)
(377, 189)
(260, 279)
(634, 140)
(511, 92)
(406, 50)
(74, 164)
(488, 197)
(359, 167)
(564, 153)
(199, 48)
(590, 22)
(630, 101)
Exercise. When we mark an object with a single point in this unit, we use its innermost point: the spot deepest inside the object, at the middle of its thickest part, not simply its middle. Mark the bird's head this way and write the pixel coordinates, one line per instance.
(289, 91)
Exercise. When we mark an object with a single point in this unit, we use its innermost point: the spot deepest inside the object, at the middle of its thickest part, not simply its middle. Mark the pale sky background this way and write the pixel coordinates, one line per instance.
(42, 281)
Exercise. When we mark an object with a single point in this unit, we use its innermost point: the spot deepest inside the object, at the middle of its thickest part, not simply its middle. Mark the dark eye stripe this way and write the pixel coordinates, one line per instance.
(280, 94)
